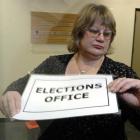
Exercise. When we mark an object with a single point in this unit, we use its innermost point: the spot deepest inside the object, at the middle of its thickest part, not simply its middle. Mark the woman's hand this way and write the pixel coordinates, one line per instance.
(10, 103)
(128, 89)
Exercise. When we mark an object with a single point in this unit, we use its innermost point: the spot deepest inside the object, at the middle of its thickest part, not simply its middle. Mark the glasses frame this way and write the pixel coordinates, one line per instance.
(96, 33)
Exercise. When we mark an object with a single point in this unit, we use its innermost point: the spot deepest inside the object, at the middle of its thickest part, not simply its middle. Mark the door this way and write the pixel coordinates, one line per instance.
(136, 44)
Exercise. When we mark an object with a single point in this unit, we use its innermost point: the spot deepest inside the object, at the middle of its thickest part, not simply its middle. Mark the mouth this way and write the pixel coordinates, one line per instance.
(98, 46)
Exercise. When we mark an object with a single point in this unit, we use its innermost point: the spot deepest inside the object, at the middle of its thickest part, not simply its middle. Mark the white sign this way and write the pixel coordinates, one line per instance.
(50, 97)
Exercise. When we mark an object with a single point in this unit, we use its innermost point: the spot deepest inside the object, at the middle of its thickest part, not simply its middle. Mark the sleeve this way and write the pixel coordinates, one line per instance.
(20, 84)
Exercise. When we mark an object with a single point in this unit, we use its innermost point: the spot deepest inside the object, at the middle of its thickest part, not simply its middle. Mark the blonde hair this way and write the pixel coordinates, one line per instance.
(86, 18)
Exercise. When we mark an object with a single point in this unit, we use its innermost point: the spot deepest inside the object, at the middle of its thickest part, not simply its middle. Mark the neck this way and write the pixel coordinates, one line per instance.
(91, 61)
(86, 65)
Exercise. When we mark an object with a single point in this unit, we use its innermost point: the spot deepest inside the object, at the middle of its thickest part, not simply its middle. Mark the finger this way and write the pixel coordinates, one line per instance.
(1, 105)
(18, 103)
(5, 109)
(131, 85)
(8, 104)
(14, 103)
(11, 105)
(120, 84)
(115, 85)
(115, 82)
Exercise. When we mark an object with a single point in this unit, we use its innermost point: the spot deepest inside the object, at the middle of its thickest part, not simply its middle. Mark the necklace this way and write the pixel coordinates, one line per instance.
(91, 69)
(81, 71)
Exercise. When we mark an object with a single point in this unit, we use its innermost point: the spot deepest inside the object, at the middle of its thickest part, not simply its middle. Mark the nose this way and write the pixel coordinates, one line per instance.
(100, 37)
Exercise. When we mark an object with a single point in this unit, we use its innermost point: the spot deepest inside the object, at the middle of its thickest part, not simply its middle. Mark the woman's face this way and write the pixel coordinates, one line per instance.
(96, 40)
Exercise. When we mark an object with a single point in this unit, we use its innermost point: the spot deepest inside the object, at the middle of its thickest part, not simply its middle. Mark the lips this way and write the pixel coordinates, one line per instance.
(98, 46)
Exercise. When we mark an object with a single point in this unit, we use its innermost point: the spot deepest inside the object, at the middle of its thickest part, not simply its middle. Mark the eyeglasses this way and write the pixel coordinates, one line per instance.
(95, 33)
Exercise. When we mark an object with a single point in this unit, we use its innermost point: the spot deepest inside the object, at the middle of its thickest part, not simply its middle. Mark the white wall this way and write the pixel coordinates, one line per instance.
(18, 55)
(124, 12)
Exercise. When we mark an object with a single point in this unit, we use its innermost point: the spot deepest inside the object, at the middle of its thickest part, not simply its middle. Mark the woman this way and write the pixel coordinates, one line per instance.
(92, 35)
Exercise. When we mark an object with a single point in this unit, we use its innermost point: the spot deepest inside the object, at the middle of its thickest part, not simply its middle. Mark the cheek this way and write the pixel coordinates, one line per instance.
(87, 35)
(106, 46)
(87, 38)
(85, 42)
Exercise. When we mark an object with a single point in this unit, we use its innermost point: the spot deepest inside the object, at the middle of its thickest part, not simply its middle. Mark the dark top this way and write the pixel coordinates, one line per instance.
(97, 127)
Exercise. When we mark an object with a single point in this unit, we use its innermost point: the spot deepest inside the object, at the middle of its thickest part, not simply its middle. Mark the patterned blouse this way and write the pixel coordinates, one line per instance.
(96, 127)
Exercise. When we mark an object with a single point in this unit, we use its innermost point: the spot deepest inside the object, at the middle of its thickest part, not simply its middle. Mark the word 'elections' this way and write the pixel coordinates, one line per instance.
(68, 88)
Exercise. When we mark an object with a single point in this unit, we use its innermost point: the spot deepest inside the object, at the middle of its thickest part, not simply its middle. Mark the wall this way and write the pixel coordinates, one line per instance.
(18, 55)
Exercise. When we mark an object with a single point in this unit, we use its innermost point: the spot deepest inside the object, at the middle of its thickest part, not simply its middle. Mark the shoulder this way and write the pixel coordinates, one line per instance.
(57, 58)
(64, 57)
(113, 63)
(120, 69)
(53, 62)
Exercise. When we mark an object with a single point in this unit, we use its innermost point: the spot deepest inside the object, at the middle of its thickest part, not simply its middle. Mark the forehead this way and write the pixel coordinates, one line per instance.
(100, 23)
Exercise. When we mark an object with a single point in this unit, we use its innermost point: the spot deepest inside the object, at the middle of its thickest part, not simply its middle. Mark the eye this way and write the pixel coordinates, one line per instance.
(94, 31)
(107, 34)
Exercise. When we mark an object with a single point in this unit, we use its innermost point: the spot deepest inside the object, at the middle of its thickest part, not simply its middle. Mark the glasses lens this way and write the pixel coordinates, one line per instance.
(96, 32)
(107, 35)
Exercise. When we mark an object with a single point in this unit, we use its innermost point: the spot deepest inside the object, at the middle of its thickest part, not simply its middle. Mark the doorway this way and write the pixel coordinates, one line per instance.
(135, 63)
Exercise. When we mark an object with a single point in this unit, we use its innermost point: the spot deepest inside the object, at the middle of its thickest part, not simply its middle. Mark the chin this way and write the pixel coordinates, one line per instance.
(97, 53)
